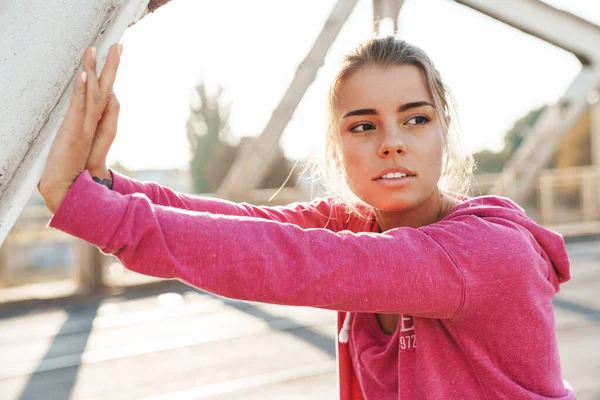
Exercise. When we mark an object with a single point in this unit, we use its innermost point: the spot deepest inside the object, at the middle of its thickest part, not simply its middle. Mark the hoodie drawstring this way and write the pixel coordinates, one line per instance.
(343, 336)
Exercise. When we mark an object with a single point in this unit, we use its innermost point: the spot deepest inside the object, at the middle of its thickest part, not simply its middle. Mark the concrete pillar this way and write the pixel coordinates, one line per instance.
(546, 199)
(89, 268)
(589, 195)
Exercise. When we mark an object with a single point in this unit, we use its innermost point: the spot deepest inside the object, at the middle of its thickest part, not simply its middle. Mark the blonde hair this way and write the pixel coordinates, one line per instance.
(385, 52)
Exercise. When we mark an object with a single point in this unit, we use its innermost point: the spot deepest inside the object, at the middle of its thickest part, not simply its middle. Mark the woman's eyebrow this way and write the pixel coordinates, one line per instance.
(414, 104)
(402, 108)
(362, 111)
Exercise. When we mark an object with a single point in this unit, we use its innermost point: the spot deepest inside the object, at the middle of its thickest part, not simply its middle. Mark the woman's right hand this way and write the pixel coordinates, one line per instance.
(107, 125)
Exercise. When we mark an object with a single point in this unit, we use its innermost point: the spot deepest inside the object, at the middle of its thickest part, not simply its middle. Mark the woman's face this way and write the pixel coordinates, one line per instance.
(387, 123)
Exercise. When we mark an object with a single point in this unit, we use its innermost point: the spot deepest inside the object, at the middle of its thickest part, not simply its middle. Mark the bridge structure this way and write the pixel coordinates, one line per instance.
(28, 123)
(75, 343)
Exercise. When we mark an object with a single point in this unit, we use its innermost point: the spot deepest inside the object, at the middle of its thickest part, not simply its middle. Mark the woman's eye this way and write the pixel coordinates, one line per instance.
(419, 120)
(362, 128)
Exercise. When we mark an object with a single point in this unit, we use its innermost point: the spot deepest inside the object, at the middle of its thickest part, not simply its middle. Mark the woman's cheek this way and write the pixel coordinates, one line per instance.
(354, 162)
(436, 155)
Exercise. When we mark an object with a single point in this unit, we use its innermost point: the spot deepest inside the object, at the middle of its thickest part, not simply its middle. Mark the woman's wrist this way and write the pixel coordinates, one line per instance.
(103, 177)
(103, 173)
(103, 181)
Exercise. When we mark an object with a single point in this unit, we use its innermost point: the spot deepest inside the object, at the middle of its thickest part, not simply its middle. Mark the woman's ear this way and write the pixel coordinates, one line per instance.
(448, 119)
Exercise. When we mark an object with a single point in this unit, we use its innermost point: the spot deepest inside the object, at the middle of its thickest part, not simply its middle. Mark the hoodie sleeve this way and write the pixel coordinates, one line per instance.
(318, 213)
(404, 270)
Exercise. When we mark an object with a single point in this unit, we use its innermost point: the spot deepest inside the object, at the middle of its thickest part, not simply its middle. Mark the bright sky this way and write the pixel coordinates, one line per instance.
(252, 49)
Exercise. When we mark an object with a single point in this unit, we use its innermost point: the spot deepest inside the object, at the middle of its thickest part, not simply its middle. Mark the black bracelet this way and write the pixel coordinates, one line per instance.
(106, 182)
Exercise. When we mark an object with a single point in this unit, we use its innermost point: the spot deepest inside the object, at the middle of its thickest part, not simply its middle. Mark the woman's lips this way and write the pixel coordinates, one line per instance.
(395, 182)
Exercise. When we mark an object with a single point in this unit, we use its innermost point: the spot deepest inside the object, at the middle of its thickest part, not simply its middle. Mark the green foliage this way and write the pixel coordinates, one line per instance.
(206, 126)
(488, 161)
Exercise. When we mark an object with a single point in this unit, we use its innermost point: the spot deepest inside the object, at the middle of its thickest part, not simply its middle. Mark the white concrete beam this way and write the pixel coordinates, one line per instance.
(563, 29)
(386, 9)
(571, 33)
(41, 44)
(256, 159)
(518, 178)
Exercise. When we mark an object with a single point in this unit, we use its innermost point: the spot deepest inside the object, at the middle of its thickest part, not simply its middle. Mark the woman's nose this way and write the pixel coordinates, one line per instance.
(392, 143)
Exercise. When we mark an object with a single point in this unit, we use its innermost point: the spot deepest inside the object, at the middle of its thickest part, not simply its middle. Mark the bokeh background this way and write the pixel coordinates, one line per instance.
(198, 80)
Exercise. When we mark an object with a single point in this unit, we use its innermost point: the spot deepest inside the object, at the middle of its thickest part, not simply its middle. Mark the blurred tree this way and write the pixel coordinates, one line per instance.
(212, 150)
(207, 129)
(488, 161)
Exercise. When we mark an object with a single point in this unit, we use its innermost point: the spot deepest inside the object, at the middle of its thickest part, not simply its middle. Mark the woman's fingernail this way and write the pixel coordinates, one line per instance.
(119, 49)
(93, 52)
(83, 76)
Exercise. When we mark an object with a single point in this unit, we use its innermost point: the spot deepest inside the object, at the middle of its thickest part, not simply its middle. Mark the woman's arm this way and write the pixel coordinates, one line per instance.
(403, 270)
(319, 213)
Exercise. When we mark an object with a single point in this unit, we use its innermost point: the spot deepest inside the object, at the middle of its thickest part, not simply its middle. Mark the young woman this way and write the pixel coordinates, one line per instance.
(439, 296)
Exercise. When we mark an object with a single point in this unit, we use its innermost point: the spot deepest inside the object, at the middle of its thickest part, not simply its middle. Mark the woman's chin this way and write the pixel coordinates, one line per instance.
(396, 199)
(391, 200)
(394, 203)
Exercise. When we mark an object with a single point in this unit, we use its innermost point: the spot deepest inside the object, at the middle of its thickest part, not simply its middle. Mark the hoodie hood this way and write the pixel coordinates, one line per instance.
(489, 242)
(551, 243)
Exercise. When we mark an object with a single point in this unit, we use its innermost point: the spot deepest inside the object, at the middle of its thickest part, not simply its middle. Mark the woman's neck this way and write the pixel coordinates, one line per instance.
(429, 211)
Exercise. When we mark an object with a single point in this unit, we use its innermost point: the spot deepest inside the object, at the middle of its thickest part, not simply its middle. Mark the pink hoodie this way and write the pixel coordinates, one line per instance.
(474, 289)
